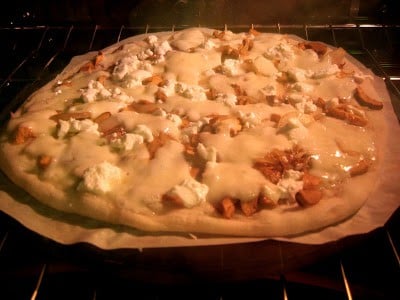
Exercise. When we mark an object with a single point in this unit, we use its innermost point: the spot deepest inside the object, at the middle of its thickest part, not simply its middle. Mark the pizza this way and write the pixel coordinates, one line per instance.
(203, 131)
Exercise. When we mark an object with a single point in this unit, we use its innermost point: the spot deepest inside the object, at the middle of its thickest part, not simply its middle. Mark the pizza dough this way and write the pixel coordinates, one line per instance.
(203, 131)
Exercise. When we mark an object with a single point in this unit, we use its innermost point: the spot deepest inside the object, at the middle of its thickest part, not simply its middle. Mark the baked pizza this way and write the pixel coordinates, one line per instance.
(203, 131)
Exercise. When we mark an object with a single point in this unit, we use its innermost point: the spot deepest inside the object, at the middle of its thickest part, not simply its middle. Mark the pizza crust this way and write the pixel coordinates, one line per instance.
(281, 221)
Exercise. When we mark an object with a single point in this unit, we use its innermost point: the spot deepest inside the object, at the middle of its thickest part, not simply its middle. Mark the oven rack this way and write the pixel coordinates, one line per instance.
(33, 267)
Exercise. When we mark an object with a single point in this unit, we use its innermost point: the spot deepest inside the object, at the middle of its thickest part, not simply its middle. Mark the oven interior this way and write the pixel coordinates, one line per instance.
(38, 40)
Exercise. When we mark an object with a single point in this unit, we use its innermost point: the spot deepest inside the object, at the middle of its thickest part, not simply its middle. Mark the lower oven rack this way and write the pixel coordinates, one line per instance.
(33, 267)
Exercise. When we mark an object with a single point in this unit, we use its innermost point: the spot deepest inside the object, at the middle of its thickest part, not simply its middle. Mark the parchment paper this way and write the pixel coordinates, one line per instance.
(70, 229)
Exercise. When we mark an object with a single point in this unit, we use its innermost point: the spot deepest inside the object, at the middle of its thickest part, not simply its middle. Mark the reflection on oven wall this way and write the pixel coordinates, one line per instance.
(196, 12)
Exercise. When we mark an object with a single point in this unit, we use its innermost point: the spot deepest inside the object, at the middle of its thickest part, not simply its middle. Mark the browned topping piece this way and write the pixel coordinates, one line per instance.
(343, 112)
(319, 102)
(318, 47)
(229, 52)
(275, 117)
(276, 162)
(243, 100)
(115, 132)
(22, 134)
(220, 124)
(218, 34)
(308, 197)
(102, 117)
(238, 90)
(88, 67)
(344, 74)
(272, 172)
(43, 161)
(310, 181)
(71, 115)
(195, 172)
(102, 79)
(143, 106)
(357, 120)
(91, 65)
(366, 100)
(155, 79)
(158, 141)
(99, 58)
(211, 94)
(283, 78)
(264, 200)
(227, 207)
(245, 47)
(249, 207)
(360, 168)
(160, 95)
(174, 199)
(338, 112)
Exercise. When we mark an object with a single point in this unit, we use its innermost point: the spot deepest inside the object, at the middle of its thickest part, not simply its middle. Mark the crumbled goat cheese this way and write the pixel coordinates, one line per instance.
(128, 142)
(128, 65)
(95, 91)
(280, 51)
(193, 92)
(227, 99)
(290, 184)
(190, 192)
(100, 178)
(230, 67)
(76, 126)
(249, 120)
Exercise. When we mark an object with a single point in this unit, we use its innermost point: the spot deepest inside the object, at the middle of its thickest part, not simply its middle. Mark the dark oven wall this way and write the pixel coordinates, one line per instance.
(196, 12)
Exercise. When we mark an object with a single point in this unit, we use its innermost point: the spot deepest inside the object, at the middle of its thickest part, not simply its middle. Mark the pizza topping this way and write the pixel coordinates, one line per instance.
(157, 142)
(290, 183)
(100, 178)
(225, 124)
(131, 70)
(95, 91)
(318, 47)
(249, 207)
(188, 194)
(73, 126)
(365, 100)
(127, 142)
(277, 162)
(308, 197)
(348, 113)
(359, 168)
(310, 181)
(43, 161)
(22, 134)
(102, 117)
(91, 65)
(71, 115)
(227, 207)
(193, 92)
